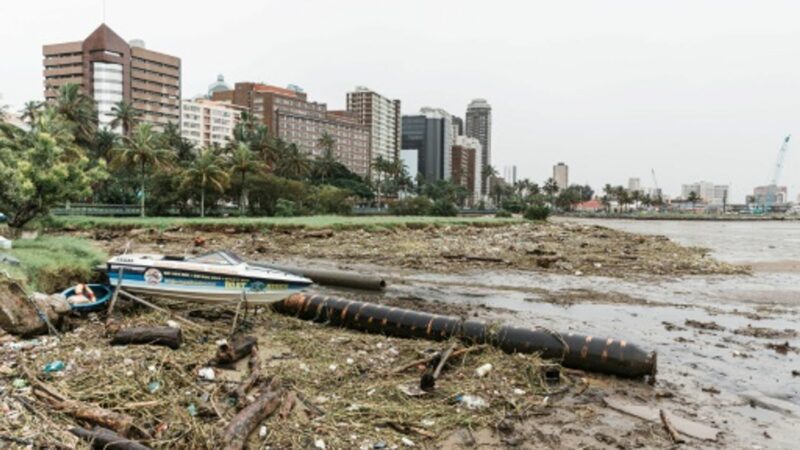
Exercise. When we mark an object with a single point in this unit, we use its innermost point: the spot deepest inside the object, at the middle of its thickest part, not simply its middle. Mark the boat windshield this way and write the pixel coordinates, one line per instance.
(219, 258)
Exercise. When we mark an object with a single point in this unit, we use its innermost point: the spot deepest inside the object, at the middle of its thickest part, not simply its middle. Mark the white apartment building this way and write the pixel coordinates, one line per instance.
(207, 122)
(710, 193)
(477, 176)
(382, 116)
(561, 175)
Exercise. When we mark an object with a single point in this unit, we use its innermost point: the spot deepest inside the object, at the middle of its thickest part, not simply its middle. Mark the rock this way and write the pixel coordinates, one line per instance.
(18, 315)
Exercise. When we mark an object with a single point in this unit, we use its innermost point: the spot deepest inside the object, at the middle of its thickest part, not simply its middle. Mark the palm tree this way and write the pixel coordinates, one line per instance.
(242, 162)
(293, 163)
(550, 188)
(31, 111)
(80, 110)
(125, 115)
(142, 150)
(381, 166)
(207, 170)
(105, 141)
(693, 198)
(268, 148)
(326, 164)
(327, 142)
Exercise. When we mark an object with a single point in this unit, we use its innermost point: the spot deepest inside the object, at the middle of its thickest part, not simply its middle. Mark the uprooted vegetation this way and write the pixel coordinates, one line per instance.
(344, 388)
(551, 247)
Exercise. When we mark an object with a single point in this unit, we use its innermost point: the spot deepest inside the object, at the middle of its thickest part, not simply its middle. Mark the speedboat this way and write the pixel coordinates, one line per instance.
(218, 277)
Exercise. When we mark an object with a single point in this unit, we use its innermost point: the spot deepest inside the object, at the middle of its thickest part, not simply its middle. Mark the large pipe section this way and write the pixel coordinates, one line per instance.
(331, 277)
(611, 356)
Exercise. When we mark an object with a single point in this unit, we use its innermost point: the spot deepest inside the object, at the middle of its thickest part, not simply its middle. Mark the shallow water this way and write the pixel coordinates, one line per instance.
(637, 309)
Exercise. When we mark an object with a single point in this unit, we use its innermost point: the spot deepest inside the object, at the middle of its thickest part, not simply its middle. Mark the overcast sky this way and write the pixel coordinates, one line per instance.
(697, 90)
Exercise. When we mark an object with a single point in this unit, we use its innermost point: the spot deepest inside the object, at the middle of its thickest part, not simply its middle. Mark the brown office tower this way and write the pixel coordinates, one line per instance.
(463, 170)
(289, 115)
(111, 70)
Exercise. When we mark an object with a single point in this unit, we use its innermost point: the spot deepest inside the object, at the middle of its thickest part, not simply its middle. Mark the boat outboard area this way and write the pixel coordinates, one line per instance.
(216, 277)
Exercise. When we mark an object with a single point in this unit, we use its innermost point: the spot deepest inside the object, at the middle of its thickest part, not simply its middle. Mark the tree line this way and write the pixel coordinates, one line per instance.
(65, 155)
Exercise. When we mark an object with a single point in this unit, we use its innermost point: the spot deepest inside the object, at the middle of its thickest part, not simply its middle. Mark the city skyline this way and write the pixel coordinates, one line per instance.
(612, 105)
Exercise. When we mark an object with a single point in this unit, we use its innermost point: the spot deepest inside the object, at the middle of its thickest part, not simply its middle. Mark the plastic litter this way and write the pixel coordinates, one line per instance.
(320, 444)
(472, 401)
(192, 409)
(481, 371)
(207, 373)
(5, 244)
(54, 366)
(380, 445)
(153, 387)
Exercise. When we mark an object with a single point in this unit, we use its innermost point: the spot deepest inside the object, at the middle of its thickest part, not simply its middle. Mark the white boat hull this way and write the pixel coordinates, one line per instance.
(213, 278)
(208, 296)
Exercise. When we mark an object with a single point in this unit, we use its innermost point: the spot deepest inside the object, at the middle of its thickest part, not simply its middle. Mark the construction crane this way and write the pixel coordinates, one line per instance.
(772, 187)
(656, 190)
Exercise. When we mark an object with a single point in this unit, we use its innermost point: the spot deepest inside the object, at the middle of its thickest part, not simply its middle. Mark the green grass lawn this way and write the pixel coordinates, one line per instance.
(261, 223)
(51, 263)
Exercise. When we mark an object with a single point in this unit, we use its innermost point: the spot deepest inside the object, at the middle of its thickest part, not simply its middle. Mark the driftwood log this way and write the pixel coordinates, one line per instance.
(243, 423)
(255, 373)
(103, 438)
(238, 348)
(121, 423)
(434, 368)
(166, 336)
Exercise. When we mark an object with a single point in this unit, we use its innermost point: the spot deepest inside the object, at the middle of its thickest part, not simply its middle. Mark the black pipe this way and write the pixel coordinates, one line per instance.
(325, 277)
(611, 356)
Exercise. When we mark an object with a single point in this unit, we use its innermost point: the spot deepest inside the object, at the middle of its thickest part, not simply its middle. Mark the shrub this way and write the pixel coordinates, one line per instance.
(502, 214)
(444, 208)
(332, 200)
(412, 206)
(284, 208)
(265, 191)
(537, 212)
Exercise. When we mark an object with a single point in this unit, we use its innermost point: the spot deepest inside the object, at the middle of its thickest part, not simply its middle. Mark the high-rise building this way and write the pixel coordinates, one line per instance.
(634, 185)
(510, 174)
(431, 134)
(382, 116)
(206, 122)
(290, 116)
(561, 175)
(479, 126)
(771, 194)
(458, 126)
(708, 192)
(111, 70)
(467, 166)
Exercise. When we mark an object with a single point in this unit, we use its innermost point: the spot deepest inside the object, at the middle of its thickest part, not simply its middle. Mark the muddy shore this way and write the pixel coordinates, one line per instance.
(491, 273)
(563, 248)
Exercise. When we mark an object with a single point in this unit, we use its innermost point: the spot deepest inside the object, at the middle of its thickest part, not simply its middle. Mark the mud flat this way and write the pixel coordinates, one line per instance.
(602, 282)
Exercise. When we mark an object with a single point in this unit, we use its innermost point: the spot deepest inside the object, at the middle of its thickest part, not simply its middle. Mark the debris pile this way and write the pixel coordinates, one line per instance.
(311, 381)
(552, 247)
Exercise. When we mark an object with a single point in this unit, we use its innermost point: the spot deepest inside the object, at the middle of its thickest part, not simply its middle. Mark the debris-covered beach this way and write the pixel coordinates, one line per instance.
(340, 388)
